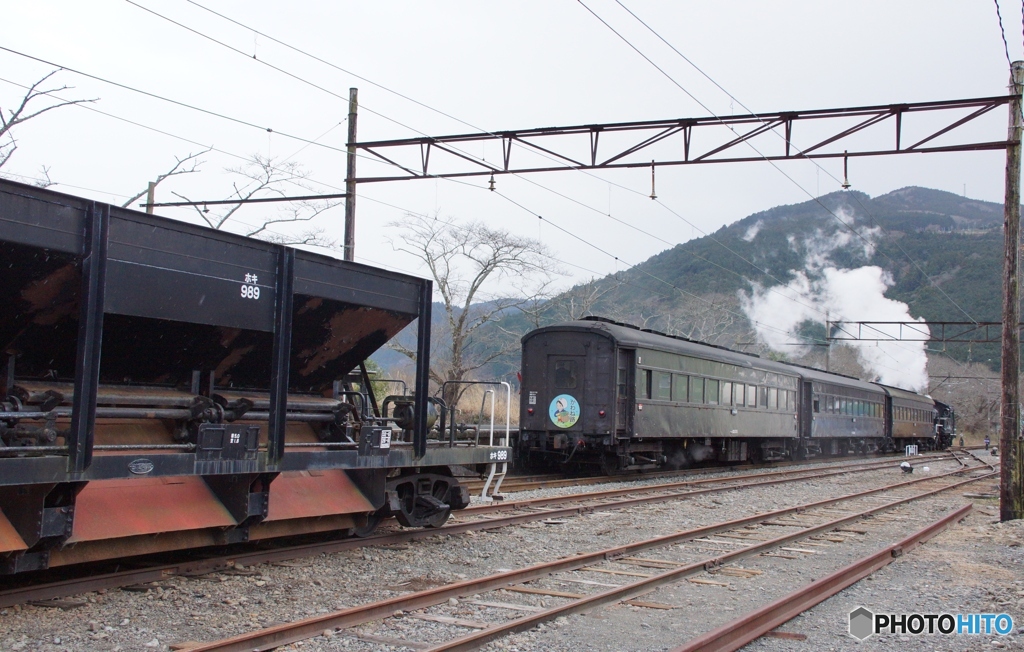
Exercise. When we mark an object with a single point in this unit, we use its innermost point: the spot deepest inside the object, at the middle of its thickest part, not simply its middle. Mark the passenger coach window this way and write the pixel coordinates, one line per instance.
(726, 394)
(711, 391)
(565, 374)
(829, 406)
(762, 394)
(664, 386)
(696, 390)
(816, 406)
(773, 398)
(751, 395)
(680, 385)
(643, 383)
(738, 394)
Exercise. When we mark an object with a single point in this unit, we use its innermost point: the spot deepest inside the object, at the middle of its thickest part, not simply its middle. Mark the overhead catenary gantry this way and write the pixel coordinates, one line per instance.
(962, 332)
(558, 145)
(696, 141)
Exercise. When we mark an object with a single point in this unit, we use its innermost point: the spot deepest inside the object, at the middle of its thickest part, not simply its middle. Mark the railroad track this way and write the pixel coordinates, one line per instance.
(619, 574)
(514, 483)
(487, 516)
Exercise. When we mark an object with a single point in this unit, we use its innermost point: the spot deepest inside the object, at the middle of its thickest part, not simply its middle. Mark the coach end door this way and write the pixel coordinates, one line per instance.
(624, 388)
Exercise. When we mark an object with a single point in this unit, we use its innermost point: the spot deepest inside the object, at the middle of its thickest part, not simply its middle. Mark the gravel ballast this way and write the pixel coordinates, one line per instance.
(976, 566)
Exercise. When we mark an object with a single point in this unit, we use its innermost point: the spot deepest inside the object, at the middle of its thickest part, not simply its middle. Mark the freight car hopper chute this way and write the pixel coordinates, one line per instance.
(168, 386)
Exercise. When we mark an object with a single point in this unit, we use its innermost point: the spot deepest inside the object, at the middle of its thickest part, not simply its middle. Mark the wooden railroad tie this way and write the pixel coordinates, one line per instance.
(700, 580)
(791, 636)
(387, 640)
(551, 592)
(735, 571)
(615, 572)
(589, 583)
(506, 605)
(449, 620)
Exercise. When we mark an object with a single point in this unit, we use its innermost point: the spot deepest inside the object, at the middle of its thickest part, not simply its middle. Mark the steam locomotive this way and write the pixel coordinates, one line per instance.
(598, 393)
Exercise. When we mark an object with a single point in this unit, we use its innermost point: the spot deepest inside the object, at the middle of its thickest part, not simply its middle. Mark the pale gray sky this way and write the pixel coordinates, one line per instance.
(497, 65)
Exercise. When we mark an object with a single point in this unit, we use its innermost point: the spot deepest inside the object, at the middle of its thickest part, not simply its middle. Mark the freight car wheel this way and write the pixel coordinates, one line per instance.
(439, 519)
(423, 500)
(372, 521)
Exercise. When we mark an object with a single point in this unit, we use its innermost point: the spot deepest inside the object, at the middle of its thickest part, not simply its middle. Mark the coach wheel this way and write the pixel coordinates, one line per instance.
(610, 464)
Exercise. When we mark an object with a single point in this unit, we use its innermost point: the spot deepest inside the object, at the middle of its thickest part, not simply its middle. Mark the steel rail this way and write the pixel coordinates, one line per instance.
(74, 586)
(857, 467)
(640, 587)
(272, 637)
(737, 633)
(557, 481)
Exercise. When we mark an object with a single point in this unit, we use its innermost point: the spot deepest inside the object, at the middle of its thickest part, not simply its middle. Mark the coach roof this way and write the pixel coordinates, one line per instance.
(631, 336)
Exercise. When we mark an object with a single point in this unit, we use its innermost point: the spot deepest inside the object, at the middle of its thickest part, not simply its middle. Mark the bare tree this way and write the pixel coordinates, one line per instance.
(185, 165)
(26, 110)
(583, 299)
(264, 177)
(467, 263)
(708, 318)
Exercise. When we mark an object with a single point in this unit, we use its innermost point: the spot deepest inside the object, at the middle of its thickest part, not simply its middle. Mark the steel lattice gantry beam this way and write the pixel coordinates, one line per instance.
(553, 142)
(965, 332)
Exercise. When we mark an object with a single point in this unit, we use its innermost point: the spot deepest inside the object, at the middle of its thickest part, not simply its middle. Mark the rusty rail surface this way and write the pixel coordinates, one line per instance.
(269, 638)
(737, 633)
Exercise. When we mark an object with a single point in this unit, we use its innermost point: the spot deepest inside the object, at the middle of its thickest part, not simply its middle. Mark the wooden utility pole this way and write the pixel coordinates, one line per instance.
(1011, 445)
(150, 197)
(350, 177)
(828, 341)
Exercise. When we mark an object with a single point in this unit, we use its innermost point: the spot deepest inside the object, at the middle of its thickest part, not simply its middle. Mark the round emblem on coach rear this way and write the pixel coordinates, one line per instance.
(564, 411)
(140, 467)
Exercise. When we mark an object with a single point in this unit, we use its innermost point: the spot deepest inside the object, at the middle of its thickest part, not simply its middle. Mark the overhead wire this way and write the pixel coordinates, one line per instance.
(797, 148)
(181, 138)
(212, 113)
(654, 277)
(708, 109)
(1002, 32)
(162, 98)
(363, 106)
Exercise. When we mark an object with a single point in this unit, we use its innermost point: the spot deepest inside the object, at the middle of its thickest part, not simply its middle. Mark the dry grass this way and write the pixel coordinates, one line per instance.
(469, 404)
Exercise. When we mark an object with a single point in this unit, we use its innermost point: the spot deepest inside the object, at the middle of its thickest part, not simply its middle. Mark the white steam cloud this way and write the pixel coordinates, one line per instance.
(753, 230)
(846, 295)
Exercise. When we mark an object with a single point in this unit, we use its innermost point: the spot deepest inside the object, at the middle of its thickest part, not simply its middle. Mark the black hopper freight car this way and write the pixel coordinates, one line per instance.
(167, 386)
(602, 394)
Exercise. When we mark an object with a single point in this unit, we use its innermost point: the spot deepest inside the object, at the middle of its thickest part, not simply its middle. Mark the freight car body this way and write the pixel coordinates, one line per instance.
(167, 386)
(600, 393)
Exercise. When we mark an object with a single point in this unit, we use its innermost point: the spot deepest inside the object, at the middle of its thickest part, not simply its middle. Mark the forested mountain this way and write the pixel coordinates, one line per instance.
(942, 253)
(765, 283)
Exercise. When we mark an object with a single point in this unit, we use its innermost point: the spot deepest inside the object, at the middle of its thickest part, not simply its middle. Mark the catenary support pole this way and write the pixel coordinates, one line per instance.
(1011, 446)
(350, 177)
(150, 197)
